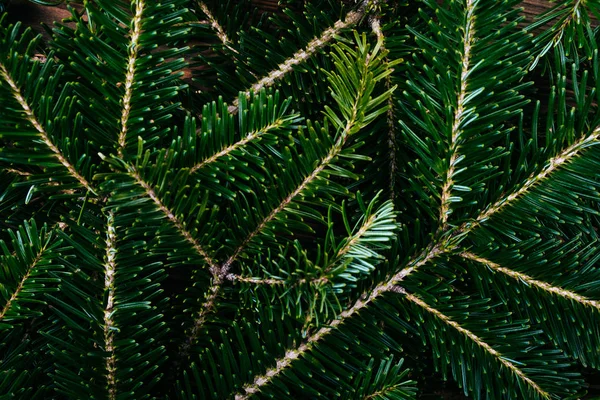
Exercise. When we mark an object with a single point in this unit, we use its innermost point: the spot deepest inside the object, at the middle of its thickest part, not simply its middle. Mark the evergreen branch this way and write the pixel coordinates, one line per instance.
(476, 339)
(17, 172)
(529, 281)
(350, 244)
(375, 22)
(458, 114)
(568, 154)
(333, 152)
(219, 273)
(254, 281)
(249, 137)
(352, 18)
(353, 121)
(570, 13)
(179, 225)
(368, 229)
(109, 290)
(19, 287)
(205, 310)
(217, 27)
(32, 119)
(292, 354)
(134, 34)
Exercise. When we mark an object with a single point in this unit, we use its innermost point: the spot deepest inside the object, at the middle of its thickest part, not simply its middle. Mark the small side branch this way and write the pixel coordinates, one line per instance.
(352, 18)
(227, 150)
(19, 287)
(569, 154)
(220, 32)
(546, 287)
(136, 30)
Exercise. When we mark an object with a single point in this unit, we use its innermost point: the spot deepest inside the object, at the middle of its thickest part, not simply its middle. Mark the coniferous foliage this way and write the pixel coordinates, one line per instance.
(352, 200)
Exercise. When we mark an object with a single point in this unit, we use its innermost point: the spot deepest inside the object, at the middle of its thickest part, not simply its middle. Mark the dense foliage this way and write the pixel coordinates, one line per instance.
(353, 200)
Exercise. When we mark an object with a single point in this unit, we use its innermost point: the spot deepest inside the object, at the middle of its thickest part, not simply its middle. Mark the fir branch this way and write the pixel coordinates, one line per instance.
(217, 27)
(352, 18)
(573, 13)
(455, 132)
(22, 282)
(351, 243)
(554, 163)
(514, 369)
(333, 152)
(109, 293)
(179, 225)
(529, 281)
(15, 171)
(254, 281)
(33, 120)
(220, 274)
(134, 34)
(375, 22)
(206, 309)
(249, 137)
(292, 354)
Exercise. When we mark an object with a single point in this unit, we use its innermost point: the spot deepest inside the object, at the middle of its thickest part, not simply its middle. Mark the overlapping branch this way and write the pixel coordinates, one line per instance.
(109, 324)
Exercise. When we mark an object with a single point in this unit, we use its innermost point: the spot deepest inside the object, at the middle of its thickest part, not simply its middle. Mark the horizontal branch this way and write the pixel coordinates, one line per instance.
(227, 150)
(17, 172)
(255, 281)
(32, 119)
(546, 287)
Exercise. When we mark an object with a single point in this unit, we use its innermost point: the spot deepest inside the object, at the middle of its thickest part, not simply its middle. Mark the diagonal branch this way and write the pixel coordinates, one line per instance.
(227, 150)
(352, 18)
(179, 225)
(455, 133)
(110, 267)
(568, 154)
(19, 287)
(352, 241)
(529, 281)
(477, 340)
(32, 119)
(134, 34)
(217, 27)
